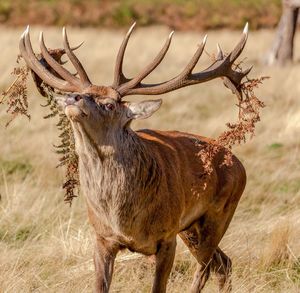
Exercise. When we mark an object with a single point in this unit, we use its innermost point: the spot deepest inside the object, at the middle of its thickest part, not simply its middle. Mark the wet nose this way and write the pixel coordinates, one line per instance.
(72, 99)
(77, 98)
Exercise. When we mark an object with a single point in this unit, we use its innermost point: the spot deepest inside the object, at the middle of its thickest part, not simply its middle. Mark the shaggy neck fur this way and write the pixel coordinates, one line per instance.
(119, 176)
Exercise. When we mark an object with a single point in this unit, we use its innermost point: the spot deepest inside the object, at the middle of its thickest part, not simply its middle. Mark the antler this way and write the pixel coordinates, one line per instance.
(221, 67)
(56, 76)
(63, 80)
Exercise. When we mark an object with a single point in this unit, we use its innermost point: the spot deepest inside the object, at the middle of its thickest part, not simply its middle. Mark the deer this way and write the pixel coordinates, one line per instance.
(143, 188)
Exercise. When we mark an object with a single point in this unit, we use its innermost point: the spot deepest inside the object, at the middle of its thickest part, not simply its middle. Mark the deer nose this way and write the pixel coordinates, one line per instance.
(77, 98)
(72, 99)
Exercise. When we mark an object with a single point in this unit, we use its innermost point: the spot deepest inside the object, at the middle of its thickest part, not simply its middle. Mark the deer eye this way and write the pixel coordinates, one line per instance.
(109, 107)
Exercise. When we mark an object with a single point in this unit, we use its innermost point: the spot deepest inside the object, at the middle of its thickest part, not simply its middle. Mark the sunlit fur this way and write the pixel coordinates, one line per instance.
(143, 188)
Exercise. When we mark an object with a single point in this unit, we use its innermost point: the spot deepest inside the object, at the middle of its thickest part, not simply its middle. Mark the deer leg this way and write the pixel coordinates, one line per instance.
(202, 239)
(221, 265)
(163, 265)
(104, 257)
(200, 277)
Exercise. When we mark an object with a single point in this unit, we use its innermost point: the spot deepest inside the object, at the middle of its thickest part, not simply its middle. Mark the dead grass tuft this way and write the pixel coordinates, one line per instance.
(277, 248)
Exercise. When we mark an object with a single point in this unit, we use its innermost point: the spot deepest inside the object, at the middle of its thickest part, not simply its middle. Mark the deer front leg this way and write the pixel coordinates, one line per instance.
(164, 262)
(104, 257)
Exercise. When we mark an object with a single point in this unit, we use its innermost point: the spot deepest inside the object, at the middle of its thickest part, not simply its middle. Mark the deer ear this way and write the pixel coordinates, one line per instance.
(143, 109)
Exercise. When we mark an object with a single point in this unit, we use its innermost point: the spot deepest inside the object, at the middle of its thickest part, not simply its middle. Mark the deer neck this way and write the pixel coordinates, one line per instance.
(118, 146)
(117, 173)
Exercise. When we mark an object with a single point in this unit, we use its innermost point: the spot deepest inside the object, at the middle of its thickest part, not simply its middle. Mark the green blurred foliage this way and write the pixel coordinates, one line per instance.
(180, 14)
(11, 167)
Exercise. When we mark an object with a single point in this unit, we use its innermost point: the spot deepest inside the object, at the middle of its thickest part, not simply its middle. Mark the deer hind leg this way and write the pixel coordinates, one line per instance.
(221, 266)
(202, 239)
(104, 257)
(163, 265)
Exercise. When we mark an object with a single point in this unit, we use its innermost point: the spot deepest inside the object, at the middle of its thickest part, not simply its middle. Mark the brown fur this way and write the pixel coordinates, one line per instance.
(143, 188)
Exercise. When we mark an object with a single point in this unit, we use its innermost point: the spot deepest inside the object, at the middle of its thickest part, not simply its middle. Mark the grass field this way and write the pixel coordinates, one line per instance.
(46, 246)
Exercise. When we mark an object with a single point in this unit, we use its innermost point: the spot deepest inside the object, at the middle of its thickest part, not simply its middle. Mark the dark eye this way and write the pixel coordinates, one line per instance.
(109, 107)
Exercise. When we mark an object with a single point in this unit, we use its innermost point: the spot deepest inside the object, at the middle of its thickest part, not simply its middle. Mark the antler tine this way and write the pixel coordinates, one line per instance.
(156, 61)
(65, 74)
(221, 67)
(220, 55)
(119, 77)
(187, 71)
(77, 47)
(191, 65)
(32, 61)
(240, 46)
(78, 66)
(164, 87)
(246, 71)
(58, 53)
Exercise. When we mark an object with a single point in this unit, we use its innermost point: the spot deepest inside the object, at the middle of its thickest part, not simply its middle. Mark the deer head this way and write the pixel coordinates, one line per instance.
(101, 109)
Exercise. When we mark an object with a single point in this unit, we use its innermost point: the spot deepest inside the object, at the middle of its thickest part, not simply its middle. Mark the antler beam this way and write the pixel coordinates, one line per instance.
(61, 79)
(222, 67)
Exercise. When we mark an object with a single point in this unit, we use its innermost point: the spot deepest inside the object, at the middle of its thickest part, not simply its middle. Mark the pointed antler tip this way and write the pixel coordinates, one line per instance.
(204, 39)
(248, 70)
(23, 35)
(131, 28)
(64, 30)
(246, 28)
(220, 52)
(78, 46)
(171, 34)
(64, 33)
(26, 32)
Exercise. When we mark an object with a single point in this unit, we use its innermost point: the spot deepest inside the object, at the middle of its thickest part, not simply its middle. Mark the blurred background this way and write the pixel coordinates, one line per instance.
(47, 246)
(193, 15)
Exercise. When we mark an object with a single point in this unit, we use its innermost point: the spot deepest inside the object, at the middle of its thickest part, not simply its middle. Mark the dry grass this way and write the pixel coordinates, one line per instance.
(45, 246)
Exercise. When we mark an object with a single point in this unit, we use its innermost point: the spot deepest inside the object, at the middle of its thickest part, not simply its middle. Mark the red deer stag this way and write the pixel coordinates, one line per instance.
(143, 188)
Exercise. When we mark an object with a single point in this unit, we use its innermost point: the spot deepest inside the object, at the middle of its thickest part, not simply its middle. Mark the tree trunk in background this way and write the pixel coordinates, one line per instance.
(282, 49)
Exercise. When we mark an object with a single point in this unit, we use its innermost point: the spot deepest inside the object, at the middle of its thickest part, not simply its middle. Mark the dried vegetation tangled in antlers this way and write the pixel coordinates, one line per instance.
(66, 148)
(16, 100)
(249, 114)
(15, 97)
(248, 104)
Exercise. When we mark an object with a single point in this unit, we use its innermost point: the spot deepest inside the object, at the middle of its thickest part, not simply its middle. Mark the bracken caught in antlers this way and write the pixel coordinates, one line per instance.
(144, 188)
